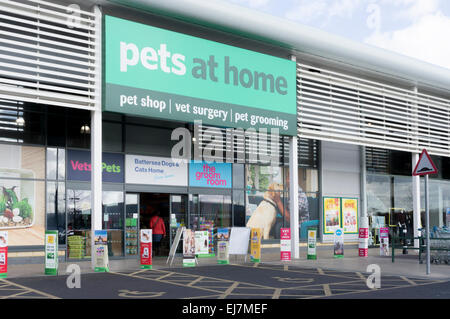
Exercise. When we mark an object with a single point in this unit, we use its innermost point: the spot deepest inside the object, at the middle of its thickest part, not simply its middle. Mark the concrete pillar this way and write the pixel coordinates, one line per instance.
(96, 138)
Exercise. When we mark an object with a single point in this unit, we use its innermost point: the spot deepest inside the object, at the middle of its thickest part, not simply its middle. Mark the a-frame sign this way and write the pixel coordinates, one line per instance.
(425, 165)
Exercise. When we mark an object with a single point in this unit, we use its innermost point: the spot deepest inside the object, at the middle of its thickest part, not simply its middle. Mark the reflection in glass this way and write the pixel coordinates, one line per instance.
(56, 209)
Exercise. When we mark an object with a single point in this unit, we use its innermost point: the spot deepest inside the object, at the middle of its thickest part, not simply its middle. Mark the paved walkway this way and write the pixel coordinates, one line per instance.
(405, 265)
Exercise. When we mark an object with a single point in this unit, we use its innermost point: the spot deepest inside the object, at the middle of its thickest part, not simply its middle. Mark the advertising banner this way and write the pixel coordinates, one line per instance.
(312, 240)
(223, 236)
(331, 214)
(51, 252)
(384, 241)
(79, 166)
(146, 249)
(188, 248)
(3, 254)
(239, 239)
(285, 244)
(151, 170)
(339, 243)
(363, 249)
(101, 251)
(215, 175)
(255, 245)
(163, 74)
(201, 242)
(350, 215)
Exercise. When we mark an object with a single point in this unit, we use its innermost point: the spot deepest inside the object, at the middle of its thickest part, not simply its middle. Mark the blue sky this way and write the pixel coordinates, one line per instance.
(417, 28)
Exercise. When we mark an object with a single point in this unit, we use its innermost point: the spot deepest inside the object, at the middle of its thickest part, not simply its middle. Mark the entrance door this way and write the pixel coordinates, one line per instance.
(131, 224)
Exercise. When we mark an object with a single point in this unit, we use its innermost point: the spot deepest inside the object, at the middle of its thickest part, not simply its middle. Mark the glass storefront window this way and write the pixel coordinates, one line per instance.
(56, 209)
(439, 202)
(238, 176)
(112, 206)
(264, 177)
(78, 209)
(56, 163)
(239, 208)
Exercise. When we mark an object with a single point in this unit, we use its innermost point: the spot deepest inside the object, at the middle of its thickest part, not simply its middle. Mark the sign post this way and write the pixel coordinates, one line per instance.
(285, 244)
(255, 245)
(339, 243)
(101, 251)
(3, 254)
(146, 249)
(51, 252)
(425, 167)
(312, 238)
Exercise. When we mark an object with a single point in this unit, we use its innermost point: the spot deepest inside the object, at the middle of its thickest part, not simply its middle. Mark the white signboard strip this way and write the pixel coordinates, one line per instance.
(151, 170)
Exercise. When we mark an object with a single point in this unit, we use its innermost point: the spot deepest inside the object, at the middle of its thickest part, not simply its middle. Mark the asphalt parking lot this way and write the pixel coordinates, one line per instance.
(244, 281)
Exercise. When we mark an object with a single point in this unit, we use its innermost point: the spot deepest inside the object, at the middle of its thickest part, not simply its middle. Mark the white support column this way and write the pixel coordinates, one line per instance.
(96, 138)
(293, 197)
(293, 192)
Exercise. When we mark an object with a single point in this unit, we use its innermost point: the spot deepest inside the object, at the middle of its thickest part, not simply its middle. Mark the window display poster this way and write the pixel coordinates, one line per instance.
(312, 238)
(339, 243)
(188, 248)
(350, 215)
(146, 249)
(22, 198)
(384, 241)
(201, 242)
(255, 245)
(331, 214)
(3, 254)
(285, 244)
(51, 252)
(101, 251)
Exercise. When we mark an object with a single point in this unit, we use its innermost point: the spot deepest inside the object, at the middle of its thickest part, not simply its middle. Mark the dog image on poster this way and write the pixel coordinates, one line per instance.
(265, 214)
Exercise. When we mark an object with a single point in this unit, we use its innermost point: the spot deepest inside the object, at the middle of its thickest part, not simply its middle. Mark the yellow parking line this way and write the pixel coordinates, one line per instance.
(30, 289)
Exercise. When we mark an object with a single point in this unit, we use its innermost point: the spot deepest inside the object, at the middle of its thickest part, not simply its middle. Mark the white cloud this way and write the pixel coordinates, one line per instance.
(425, 39)
(306, 10)
(252, 3)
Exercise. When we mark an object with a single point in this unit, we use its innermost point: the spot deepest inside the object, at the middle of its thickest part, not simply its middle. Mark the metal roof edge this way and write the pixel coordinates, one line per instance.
(296, 37)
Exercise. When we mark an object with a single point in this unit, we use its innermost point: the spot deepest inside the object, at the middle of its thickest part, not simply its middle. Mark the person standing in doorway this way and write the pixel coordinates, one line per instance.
(158, 231)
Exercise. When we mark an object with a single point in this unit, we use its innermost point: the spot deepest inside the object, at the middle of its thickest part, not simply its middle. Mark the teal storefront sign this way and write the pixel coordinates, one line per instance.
(215, 175)
(163, 74)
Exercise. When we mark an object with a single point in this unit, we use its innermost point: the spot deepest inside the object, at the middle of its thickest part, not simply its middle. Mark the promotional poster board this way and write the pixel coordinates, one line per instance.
(188, 248)
(239, 239)
(51, 252)
(146, 249)
(363, 248)
(384, 241)
(195, 79)
(331, 214)
(223, 236)
(349, 208)
(339, 243)
(312, 240)
(101, 251)
(201, 242)
(3, 254)
(285, 244)
(255, 245)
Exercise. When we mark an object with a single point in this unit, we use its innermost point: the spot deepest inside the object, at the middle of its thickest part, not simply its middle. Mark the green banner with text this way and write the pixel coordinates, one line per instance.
(163, 74)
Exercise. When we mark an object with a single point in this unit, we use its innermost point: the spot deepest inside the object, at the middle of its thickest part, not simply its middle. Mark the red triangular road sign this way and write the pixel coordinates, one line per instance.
(425, 165)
